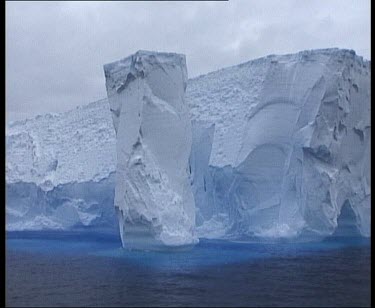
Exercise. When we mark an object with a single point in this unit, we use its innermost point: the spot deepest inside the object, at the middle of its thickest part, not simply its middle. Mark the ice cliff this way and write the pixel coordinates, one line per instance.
(280, 148)
(291, 145)
(153, 196)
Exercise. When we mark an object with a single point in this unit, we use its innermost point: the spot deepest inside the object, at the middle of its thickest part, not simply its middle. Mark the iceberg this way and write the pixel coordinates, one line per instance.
(153, 195)
(279, 147)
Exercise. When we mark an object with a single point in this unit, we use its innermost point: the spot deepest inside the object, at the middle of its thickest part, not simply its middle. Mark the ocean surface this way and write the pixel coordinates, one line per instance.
(90, 269)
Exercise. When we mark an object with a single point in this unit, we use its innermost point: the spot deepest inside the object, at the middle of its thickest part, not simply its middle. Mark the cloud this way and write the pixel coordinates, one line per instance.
(55, 51)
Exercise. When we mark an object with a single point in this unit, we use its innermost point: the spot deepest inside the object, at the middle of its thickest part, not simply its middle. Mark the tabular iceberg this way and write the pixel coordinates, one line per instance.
(153, 196)
(280, 147)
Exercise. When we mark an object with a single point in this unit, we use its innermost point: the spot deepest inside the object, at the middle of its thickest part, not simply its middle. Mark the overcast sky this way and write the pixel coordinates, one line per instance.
(55, 51)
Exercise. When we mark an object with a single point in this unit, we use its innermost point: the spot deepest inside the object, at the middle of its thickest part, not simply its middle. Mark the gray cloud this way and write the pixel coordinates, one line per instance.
(55, 51)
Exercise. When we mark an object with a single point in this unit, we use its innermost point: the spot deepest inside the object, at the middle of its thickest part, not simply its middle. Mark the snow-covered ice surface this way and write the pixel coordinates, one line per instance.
(153, 195)
(54, 149)
(280, 145)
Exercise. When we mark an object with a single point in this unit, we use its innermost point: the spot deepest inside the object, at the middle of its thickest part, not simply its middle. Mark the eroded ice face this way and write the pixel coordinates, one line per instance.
(286, 149)
(153, 195)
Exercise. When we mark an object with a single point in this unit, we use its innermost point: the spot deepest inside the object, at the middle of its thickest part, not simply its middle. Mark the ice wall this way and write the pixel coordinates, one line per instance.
(73, 206)
(291, 144)
(153, 196)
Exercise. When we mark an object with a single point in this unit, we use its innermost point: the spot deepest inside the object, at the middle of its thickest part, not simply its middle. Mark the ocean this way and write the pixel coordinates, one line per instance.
(91, 269)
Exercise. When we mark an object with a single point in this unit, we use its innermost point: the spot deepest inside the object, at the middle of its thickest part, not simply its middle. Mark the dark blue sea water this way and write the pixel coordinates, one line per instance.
(89, 269)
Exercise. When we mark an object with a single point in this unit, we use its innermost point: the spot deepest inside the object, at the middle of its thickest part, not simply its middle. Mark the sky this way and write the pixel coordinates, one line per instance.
(55, 51)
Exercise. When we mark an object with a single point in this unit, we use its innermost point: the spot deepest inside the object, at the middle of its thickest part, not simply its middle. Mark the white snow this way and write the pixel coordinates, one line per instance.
(279, 145)
(62, 148)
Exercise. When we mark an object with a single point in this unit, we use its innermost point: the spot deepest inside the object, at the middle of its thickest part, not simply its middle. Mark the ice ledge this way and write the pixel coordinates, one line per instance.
(145, 56)
(120, 73)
